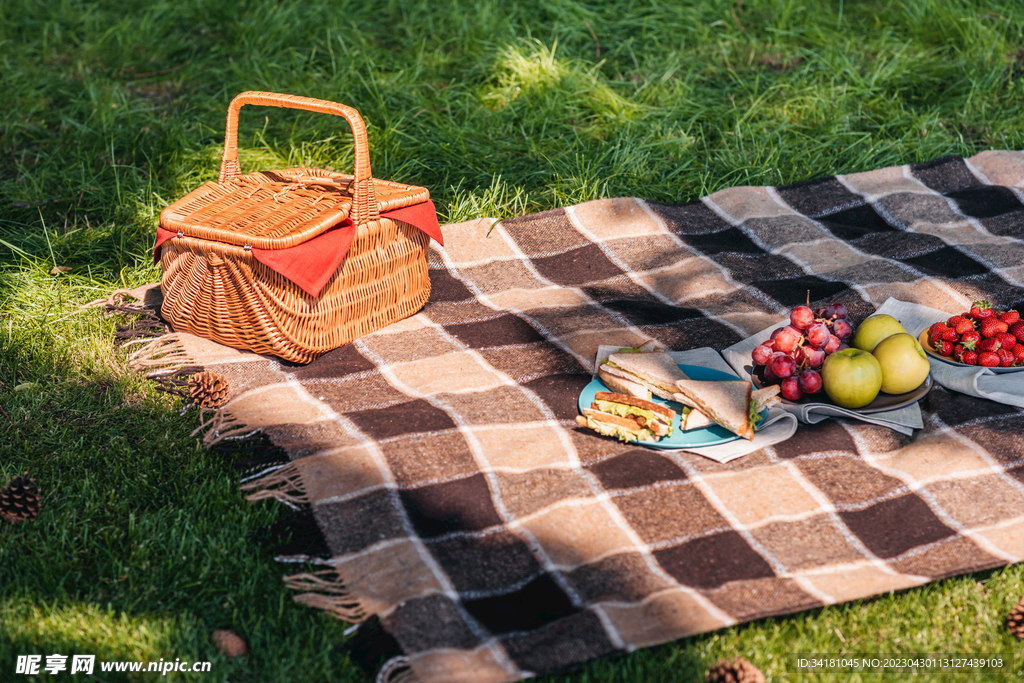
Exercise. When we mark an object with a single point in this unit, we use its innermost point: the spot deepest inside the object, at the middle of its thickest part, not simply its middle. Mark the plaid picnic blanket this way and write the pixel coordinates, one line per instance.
(447, 499)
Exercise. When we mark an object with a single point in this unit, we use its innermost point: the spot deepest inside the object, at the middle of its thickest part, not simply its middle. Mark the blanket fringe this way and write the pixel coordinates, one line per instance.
(177, 383)
(282, 484)
(326, 591)
(254, 456)
(146, 323)
(119, 296)
(160, 356)
(396, 670)
(221, 426)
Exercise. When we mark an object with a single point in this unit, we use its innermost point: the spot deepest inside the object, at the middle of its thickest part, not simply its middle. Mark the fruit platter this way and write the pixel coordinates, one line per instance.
(821, 357)
(982, 336)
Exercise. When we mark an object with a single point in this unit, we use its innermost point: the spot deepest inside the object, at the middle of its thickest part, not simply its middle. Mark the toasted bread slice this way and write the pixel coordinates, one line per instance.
(656, 371)
(627, 422)
(622, 385)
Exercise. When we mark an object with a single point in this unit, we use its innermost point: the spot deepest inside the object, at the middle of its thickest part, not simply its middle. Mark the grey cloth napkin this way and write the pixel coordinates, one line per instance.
(1002, 387)
(904, 420)
(778, 426)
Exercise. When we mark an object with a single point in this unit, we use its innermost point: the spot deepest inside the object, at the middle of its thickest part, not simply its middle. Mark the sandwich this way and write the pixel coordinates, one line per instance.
(726, 403)
(632, 372)
(627, 418)
(767, 397)
(760, 399)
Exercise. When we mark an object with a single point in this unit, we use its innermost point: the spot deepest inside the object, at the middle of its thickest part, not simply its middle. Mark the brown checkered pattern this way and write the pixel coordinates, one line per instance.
(457, 504)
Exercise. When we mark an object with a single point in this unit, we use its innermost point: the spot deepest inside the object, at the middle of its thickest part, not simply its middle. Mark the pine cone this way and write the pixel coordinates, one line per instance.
(229, 643)
(736, 670)
(208, 389)
(1015, 622)
(19, 500)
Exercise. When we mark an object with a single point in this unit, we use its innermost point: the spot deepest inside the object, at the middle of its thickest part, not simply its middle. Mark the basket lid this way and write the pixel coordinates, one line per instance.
(277, 209)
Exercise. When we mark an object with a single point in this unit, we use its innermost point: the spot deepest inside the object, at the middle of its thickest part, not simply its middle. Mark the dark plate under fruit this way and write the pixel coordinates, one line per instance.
(882, 402)
(926, 344)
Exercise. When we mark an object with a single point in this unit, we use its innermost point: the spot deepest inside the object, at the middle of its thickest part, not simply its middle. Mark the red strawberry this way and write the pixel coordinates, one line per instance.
(955, 320)
(1009, 317)
(1018, 353)
(990, 327)
(970, 357)
(972, 337)
(1006, 358)
(957, 350)
(981, 310)
(935, 332)
(1017, 330)
(988, 359)
(964, 326)
(989, 345)
(950, 335)
(1006, 340)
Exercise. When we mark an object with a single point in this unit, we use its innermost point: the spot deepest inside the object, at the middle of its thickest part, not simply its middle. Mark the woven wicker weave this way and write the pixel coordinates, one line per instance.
(215, 288)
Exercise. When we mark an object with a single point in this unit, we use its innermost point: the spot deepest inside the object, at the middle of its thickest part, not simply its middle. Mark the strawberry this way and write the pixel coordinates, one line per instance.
(1017, 330)
(936, 330)
(955, 320)
(1009, 317)
(988, 359)
(964, 326)
(989, 345)
(1018, 353)
(990, 327)
(950, 335)
(970, 357)
(1006, 358)
(981, 310)
(1006, 340)
(972, 338)
(957, 350)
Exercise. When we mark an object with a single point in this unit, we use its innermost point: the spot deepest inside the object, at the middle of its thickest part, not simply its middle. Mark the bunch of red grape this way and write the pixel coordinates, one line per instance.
(794, 354)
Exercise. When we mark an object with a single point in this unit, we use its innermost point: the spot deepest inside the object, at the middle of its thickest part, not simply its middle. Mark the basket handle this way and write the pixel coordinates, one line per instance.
(364, 203)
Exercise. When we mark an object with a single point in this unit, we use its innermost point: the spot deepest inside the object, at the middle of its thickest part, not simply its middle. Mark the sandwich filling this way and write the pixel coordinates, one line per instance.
(621, 429)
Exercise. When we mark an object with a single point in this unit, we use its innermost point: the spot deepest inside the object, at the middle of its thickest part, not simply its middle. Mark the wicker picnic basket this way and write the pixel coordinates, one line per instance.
(214, 287)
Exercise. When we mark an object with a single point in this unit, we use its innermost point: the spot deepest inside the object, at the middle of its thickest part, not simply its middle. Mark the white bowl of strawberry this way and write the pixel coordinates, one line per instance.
(983, 336)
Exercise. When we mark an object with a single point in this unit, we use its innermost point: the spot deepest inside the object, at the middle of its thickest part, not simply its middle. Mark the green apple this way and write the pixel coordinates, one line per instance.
(904, 363)
(875, 329)
(851, 377)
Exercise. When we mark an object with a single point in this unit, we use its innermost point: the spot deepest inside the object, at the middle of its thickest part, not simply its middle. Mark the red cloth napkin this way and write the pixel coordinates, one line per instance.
(311, 264)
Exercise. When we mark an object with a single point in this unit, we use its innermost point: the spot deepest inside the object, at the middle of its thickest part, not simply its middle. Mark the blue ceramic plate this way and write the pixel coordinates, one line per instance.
(706, 436)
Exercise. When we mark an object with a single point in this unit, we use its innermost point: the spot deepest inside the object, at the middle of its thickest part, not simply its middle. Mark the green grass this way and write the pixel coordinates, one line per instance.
(112, 109)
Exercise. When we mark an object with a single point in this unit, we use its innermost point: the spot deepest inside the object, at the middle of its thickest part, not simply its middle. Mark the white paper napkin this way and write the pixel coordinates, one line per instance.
(777, 426)
(974, 380)
(904, 420)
